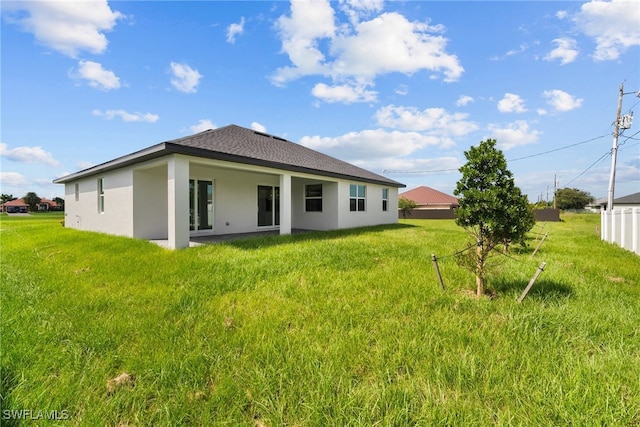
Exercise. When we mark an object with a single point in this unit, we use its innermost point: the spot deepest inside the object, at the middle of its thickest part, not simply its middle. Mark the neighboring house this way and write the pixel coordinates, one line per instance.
(19, 205)
(429, 198)
(224, 181)
(14, 206)
(48, 205)
(630, 201)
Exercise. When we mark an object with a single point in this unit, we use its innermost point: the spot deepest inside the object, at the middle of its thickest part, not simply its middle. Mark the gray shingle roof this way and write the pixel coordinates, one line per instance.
(630, 199)
(241, 145)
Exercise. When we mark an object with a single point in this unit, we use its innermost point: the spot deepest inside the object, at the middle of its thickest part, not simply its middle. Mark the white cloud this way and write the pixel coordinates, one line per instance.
(356, 10)
(259, 127)
(28, 155)
(561, 101)
(512, 52)
(400, 46)
(309, 22)
(511, 103)
(97, 76)
(565, 51)
(185, 78)
(81, 165)
(12, 179)
(562, 14)
(612, 24)
(317, 44)
(203, 124)
(464, 100)
(521, 49)
(435, 121)
(234, 30)
(402, 90)
(343, 93)
(370, 144)
(126, 116)
(514, 134)
(67, 27)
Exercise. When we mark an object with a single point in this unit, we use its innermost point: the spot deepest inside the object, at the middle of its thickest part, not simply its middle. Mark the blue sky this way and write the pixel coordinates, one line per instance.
(401, 88)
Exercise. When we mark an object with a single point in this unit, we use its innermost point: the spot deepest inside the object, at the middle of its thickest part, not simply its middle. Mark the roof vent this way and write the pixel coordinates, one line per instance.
(269, 136)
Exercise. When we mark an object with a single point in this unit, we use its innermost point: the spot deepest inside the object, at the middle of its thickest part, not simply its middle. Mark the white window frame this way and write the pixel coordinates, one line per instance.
(385, 199)
(101, 195)
(358, 197)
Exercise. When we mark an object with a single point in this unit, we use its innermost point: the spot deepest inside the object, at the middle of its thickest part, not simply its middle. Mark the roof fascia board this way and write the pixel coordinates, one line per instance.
(152, 152)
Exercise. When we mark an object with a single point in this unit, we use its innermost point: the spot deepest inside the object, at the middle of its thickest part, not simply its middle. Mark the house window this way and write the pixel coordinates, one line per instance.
(76, 190)
(313, 198)
(385, 199)
(100, 195)
(357, 194)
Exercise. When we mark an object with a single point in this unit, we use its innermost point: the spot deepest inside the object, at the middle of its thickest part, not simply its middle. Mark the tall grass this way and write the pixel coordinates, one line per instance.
(337, 328)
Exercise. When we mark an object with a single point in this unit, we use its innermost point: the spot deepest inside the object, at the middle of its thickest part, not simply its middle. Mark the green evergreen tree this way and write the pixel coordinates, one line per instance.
(492, 209)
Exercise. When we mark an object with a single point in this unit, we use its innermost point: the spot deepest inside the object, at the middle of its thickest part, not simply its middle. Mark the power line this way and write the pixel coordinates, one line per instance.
(559, 149)
(608, 153)
(385, 172)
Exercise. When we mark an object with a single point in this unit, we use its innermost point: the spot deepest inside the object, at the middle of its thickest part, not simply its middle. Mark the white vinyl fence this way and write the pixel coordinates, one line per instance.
(622, 227)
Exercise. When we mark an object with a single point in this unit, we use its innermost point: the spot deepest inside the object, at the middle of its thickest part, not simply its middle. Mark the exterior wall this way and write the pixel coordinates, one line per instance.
(373, 213)
(117, 217)
(137, 198)
(325, 220)
(433, 207)
(235, 197)
(150, 203)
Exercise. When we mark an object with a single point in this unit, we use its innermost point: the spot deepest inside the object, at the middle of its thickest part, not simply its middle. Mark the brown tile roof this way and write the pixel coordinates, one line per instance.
(20, 202)
(427, 196)
(241, 145)
(16, 202)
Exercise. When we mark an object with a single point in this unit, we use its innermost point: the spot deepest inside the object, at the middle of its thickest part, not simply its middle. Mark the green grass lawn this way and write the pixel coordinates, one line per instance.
(336, 328)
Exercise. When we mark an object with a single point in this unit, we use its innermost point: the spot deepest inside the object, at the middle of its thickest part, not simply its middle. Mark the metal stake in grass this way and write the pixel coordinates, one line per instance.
(435, 264)
(540, 244)
(532, 281)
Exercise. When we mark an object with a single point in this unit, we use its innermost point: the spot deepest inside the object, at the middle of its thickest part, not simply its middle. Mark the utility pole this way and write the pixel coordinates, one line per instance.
(614, 151)
(547, 196)
(555, 189)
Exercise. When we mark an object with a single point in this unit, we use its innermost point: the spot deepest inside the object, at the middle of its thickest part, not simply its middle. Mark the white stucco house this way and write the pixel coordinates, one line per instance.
(225, 181)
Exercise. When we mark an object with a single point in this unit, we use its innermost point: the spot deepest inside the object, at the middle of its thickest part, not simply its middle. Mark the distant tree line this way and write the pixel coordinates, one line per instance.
(572, 198)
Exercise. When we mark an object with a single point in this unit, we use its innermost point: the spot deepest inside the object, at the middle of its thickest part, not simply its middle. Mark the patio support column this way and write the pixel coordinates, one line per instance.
(178, 202)
(285, 204)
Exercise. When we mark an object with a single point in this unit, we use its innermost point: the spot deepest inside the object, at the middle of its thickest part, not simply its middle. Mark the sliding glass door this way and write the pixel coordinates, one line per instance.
(268, 206)
(200, 205)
